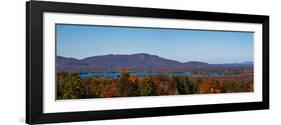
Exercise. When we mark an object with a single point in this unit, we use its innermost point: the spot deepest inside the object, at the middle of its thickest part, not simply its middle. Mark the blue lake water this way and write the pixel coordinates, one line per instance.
(139, 74)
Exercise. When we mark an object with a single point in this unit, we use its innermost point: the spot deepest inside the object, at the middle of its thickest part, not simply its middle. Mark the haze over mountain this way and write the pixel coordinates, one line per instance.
(139, 60)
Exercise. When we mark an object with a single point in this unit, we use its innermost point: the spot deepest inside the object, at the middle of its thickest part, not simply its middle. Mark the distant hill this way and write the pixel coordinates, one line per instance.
(133, 61)
(243, 64)
(195, 63)
(248, 62)
(64, 62)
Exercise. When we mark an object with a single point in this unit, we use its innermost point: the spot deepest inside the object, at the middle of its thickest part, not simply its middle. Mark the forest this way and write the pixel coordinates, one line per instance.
(72, 86)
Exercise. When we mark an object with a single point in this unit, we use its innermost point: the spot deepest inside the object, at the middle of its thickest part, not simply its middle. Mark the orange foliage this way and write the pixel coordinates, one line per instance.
(133, 78)
(205, 86)
(211, 86)
(131, 85)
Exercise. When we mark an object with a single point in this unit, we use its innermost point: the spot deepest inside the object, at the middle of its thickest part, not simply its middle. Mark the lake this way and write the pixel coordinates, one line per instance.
(139, 74)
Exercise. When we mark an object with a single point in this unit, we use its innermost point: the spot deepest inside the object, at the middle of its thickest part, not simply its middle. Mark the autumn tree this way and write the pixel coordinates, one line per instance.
(164, 85)
(205, 86)
(146, 87)
(126, 85)
(61, 77)
(97, 85)
(69, 87)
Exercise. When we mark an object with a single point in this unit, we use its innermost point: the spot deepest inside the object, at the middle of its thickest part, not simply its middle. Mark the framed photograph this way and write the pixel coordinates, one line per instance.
(95, 62)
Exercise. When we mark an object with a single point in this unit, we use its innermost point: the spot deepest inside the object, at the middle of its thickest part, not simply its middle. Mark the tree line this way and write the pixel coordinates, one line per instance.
(71, 86)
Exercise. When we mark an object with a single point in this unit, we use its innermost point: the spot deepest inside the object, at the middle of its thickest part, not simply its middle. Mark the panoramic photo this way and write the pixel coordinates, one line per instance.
(109, 61)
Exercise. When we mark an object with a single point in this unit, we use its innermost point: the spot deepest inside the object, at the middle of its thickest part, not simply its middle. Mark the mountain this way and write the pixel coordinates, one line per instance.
(133, 61)
(140, 60)
(64, 62)
(195, 64)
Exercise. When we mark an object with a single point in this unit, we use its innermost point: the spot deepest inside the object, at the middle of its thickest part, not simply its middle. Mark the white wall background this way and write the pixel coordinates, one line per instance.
(12, 61)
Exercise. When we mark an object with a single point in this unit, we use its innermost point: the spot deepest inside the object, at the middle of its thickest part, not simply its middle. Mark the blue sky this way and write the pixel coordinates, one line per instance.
(81, 41)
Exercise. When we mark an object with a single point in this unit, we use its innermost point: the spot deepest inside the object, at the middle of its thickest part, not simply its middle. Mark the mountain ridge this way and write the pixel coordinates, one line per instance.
(131, 61)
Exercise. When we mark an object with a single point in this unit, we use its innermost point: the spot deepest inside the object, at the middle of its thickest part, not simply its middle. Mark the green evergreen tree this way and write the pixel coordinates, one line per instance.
(183, 84)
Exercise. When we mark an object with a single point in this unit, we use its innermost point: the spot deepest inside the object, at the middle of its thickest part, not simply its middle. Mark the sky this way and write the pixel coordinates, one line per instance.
(183, 45)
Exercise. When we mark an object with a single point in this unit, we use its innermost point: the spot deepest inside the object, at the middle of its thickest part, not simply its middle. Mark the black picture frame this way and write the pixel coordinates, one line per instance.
(34, 61)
